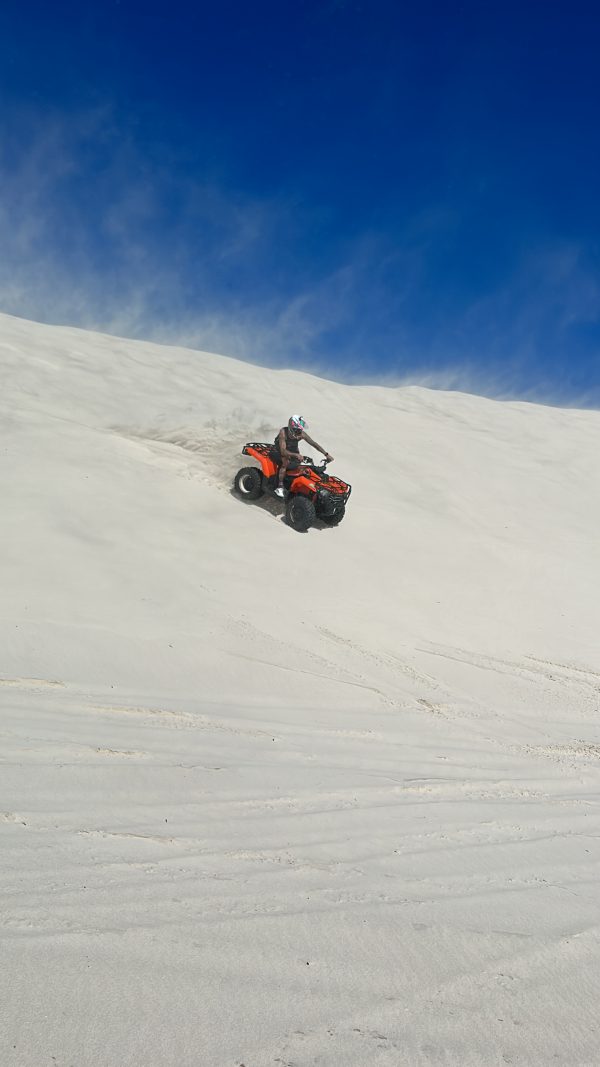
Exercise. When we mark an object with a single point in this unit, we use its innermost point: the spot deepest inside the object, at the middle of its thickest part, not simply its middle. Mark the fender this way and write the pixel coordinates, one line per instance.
(262, 453)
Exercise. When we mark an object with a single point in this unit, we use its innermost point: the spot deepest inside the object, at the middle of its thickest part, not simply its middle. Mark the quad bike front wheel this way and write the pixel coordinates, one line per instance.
(248, 483)
(299, 512)
(336, 518)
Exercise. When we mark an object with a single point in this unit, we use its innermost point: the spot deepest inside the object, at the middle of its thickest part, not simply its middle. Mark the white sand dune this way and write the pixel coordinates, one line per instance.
(280, 799)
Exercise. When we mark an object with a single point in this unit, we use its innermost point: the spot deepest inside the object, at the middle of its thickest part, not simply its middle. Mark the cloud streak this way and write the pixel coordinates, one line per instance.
(97, 233)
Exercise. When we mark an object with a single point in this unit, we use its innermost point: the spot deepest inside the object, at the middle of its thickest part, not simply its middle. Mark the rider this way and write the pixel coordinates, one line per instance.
(286, 444)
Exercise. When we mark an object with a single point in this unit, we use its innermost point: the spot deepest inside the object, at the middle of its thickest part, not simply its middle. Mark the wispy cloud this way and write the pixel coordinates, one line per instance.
(523, 335)
(96, 232)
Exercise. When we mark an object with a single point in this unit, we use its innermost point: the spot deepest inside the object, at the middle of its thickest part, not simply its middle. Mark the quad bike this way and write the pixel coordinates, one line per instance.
(311, 493)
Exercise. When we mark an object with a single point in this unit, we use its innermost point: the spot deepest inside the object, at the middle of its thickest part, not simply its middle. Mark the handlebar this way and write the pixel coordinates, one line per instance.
(322, 465)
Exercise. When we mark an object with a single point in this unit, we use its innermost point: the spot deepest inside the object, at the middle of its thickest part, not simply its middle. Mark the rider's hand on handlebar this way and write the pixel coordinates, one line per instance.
(328, 458)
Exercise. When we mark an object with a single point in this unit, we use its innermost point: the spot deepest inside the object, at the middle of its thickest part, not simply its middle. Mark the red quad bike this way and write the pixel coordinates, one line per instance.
(311, 493)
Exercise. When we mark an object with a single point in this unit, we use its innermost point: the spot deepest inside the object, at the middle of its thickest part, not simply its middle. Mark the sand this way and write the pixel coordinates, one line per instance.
(270, 798)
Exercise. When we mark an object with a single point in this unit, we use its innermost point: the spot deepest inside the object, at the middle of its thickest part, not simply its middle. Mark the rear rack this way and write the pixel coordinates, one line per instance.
(258, 446)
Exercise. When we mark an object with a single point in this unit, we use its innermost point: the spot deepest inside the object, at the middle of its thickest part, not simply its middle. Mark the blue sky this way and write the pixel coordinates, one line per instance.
(392, 191)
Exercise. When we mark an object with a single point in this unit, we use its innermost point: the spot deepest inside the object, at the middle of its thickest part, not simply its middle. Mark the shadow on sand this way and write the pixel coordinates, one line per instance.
(275, 509)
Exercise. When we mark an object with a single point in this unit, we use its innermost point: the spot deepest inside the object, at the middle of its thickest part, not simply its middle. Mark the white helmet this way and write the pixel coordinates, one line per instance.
(296, 424)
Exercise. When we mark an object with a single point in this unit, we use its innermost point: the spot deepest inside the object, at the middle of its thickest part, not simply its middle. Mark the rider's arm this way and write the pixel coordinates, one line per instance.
(314, 444)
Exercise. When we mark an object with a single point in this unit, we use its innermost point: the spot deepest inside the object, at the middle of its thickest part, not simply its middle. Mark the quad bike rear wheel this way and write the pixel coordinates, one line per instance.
(248, 483)
(299, 512)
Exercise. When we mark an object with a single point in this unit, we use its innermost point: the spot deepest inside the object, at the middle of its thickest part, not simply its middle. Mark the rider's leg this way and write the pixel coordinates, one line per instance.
(282, 472)
(290, 463)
